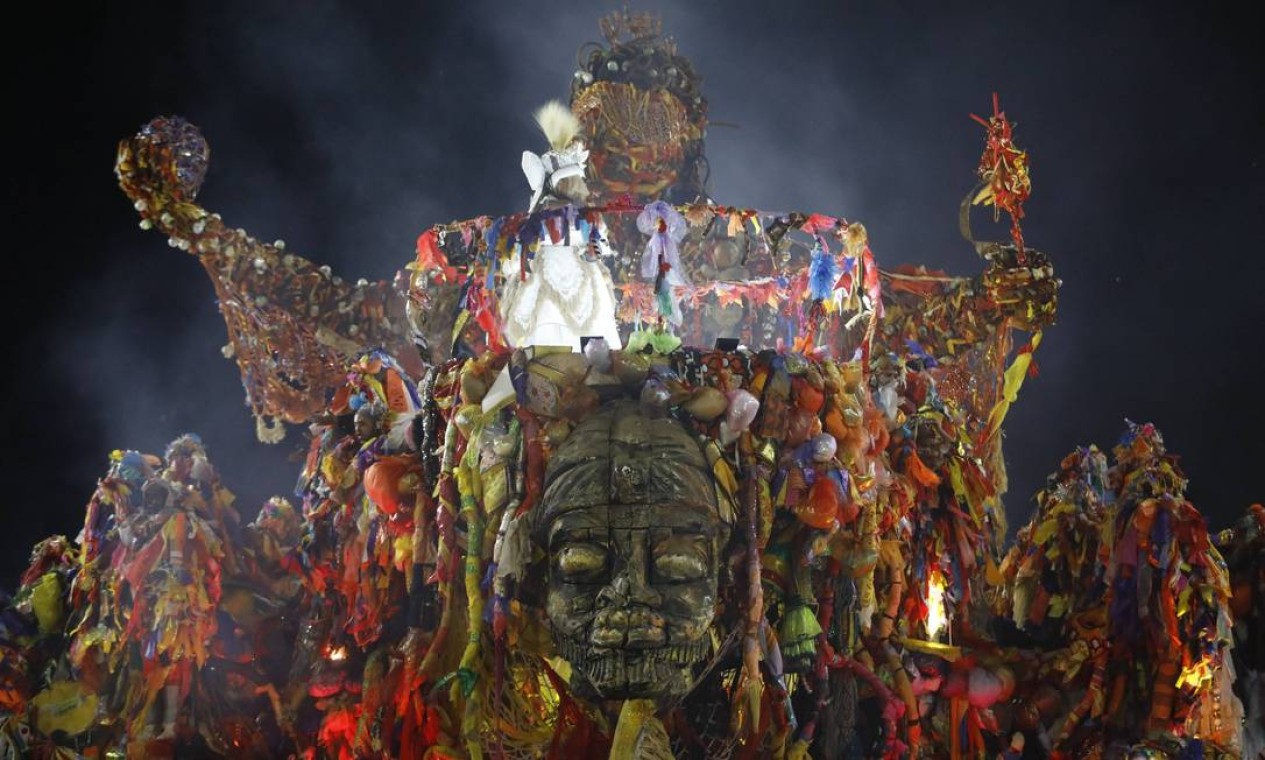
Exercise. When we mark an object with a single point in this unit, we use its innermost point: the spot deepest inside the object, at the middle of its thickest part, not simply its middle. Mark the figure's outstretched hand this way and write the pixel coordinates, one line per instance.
(292, 325)
(165, 161)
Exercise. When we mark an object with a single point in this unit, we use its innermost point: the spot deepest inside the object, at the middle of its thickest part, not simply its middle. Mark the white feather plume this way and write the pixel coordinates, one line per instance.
(558, 123)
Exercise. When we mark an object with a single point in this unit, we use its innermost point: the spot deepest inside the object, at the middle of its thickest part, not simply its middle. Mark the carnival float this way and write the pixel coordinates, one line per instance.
(633, 474)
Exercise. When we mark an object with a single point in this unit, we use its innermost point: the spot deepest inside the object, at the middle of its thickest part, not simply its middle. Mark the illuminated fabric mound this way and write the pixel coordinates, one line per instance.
(629, 474)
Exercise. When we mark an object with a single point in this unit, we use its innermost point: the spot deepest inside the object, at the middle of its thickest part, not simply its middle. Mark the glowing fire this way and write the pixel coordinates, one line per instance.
(337, 653)
(937, 617)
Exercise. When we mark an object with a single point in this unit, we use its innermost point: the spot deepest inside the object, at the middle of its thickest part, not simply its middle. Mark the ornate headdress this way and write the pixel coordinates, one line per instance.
(642, 111)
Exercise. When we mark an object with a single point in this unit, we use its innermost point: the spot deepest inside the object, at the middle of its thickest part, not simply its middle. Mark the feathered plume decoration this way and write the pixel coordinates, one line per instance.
(560, 126)
(560, 171)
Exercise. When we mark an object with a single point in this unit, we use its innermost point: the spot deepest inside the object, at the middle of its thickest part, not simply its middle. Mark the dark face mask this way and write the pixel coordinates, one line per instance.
(634, 533)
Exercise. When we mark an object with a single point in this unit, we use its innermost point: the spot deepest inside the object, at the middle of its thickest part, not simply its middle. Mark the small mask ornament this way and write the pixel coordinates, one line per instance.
(634, 532)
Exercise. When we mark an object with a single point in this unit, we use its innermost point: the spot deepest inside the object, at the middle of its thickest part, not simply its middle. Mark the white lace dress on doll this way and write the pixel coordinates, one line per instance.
(564, 296)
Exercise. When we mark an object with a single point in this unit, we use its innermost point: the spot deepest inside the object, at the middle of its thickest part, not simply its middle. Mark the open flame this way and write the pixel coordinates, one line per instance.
(937, 616)
(337, 654)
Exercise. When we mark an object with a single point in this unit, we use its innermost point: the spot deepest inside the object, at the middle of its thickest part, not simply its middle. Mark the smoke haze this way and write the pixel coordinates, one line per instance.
(346, 130)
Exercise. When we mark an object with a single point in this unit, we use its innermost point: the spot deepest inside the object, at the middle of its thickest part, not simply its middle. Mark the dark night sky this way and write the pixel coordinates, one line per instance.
(347, 131)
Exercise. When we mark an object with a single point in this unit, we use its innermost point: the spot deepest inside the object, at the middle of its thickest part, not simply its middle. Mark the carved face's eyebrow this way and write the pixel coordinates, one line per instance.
(685, 516)
(579, 524)
(561, 536)
(595, 523)
(669, 542)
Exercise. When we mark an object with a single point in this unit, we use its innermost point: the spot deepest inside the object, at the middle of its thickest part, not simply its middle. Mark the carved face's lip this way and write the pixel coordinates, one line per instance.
(637, 637)
(577, 652)
(625, 673)
(639, 623)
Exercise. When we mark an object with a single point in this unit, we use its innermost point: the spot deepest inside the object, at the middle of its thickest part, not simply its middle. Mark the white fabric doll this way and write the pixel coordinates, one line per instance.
(567, 292)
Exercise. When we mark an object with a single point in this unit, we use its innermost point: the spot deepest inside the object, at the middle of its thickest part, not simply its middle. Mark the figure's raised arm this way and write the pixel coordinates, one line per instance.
(292, 325)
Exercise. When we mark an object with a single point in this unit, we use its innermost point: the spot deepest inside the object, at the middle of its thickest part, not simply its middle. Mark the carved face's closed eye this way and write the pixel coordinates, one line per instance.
(680, 559)
(582, 563)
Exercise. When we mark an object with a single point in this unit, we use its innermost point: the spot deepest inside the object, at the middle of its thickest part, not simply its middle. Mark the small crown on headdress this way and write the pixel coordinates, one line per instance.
(625, 27)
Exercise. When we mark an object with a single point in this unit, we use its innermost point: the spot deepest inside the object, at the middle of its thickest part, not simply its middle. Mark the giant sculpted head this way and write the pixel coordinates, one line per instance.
(643, 113)
(634, 534)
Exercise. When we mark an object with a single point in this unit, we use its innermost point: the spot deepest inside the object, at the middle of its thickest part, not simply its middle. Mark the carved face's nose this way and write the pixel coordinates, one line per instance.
(628, 589)
(628, 613)
(627, 607)
(628, 585)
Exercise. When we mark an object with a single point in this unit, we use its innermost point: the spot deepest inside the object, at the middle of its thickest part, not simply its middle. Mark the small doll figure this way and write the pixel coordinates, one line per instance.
(563, 291)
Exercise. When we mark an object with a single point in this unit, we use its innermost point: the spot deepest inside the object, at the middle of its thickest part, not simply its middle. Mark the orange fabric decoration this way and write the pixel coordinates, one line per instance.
(397, 396)
(822, 505)
(921, 472)
(382, 483)
(429, 257)
(807, 397)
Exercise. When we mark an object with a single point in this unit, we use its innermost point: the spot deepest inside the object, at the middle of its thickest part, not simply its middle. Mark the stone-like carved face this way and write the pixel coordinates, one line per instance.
(634, 533)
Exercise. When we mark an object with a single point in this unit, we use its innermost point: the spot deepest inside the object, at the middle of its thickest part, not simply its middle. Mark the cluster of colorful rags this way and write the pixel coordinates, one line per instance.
(401, 614)
(149, 632)
(820, 470)
(1116, 584)
(1244, 548)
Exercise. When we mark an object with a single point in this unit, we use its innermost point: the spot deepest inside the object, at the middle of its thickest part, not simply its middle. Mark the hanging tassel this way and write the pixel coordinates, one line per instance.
(1012, 382)
(823, 272)
(269, 429)
(750, 686)
(640, 734)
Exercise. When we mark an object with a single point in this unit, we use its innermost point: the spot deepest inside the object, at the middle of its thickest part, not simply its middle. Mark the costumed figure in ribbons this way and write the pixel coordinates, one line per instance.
(561, 291)
(172, 574)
